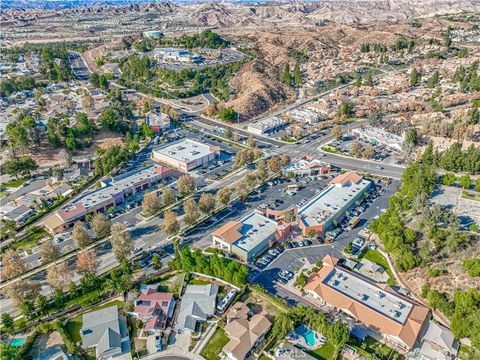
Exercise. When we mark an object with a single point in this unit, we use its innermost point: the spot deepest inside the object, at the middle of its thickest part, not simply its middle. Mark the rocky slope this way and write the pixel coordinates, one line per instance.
(278, 14)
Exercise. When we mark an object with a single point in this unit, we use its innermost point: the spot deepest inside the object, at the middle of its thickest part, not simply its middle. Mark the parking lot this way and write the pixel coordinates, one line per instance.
(295, 258)
(381, 153)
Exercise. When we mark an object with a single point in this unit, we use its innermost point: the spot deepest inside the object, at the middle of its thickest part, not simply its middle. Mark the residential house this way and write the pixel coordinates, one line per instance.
(245, 331)
(106, 332)
(197, 305)
(154, 309)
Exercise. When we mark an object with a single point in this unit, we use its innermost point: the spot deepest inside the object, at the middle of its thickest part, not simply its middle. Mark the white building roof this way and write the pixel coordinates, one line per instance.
(325, 205)
(367, 294)
(117, 185)
(185, 150)
(255, 229)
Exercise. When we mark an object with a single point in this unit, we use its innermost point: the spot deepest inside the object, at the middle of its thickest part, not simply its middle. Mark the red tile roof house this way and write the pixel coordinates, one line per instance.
(154, 309)
(399, 319)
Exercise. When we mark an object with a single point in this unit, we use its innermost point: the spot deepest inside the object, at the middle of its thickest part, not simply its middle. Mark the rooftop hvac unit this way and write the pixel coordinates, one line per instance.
(379, 294)
(399, 305)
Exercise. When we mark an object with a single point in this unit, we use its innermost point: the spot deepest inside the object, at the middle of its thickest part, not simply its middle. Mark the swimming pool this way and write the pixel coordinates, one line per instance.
(17, 342)
(308, 334)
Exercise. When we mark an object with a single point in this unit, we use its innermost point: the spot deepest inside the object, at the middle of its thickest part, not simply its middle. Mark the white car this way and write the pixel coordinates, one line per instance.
(137, 250)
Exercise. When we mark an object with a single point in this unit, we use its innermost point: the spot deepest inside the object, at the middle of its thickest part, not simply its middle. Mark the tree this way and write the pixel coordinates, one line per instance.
(251, 141)
(190, 209)
(356, 148)
(42, 303)
(285, 159)
(368, 152)
(101, 225)
(477, 185)
(228, 114)
(49, 251)
(411, 137)
(358, 81)
(465, 181)
(19, 291)
(80, 235)
(262, 171)
(242, 189)
(434, 80)
(170, 223)
(186, 185)
(337, 132)
(7, 322)
(110, 119)
(301, 280)
(168, 196)
(228, 133)
(368, 80)
(151, 203)
(285, 76)
(448, 179)
(338, 334)
(297, 75)
(472, 266)
(236, 136)
(12, 264)
(282, 326)
(224, 195)
(122, 242)
(375, 118)
(274, 165)
(27, 307)
(22, 166)
(414, 77)
(206, 203)
(346, 108)
(87, 261)
(58, 275)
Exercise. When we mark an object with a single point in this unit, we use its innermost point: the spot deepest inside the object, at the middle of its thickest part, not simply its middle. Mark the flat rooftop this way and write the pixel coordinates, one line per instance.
(319, 209)
(117, 185)
(255, 229)
(185, 150)
(268, 122)
(367, 294)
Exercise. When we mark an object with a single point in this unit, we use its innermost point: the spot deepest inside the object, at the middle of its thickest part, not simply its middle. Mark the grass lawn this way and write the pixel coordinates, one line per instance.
(74, 325)
(373, 346)
(198, 282)
(30, 240)
(376, 257)
(468, 353)
(13, 183)
(325, 352)
(215, 345)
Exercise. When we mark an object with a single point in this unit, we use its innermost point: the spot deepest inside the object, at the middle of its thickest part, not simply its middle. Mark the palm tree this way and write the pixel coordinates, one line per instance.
(282, 326)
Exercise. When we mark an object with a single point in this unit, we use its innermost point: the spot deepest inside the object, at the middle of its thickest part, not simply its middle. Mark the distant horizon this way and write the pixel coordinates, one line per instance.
(71, 4)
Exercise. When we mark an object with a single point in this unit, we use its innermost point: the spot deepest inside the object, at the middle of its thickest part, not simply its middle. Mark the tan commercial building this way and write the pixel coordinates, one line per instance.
(185, 155)
(398, 319)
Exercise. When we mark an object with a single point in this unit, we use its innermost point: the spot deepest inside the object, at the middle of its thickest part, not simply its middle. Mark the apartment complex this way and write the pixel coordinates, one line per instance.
(248, 237)
(397, 318)
(330, 205)
(185, 155)
(113, 192)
